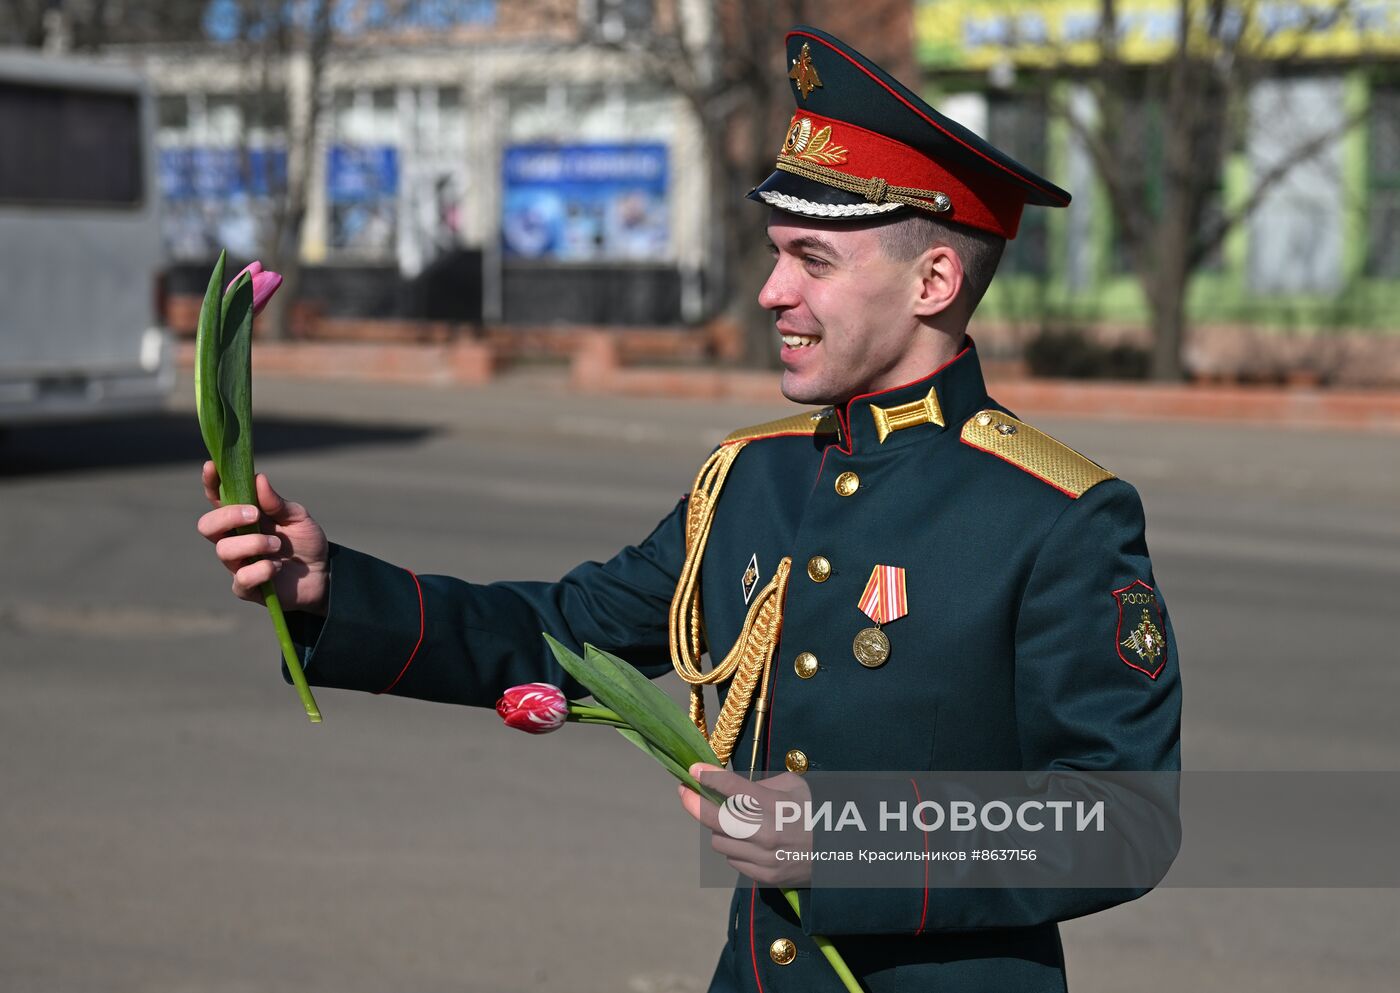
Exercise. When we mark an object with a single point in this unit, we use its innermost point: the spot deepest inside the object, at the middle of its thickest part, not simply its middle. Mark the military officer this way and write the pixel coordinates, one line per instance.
(905, 577)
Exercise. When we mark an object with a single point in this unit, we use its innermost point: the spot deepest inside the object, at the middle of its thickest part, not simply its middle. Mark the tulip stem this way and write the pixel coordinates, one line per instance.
(284, 635)
(602, 721)
(833, 957)
(289, 652)
(580, 711)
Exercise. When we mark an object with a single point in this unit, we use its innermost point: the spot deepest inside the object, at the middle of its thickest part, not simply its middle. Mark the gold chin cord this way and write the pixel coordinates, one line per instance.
(751, 658)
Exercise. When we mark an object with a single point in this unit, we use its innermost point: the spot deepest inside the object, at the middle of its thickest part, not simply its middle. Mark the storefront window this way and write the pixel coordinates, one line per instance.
(1296, 241)
(362, 173)
(1383, 200)
(222, 166)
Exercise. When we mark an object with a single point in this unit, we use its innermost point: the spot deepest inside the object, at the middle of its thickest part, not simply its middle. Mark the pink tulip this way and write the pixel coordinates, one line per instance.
(536, 708)
(265, 283)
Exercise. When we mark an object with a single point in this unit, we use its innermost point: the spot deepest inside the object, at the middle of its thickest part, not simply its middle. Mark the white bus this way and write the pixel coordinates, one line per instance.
(81, 257)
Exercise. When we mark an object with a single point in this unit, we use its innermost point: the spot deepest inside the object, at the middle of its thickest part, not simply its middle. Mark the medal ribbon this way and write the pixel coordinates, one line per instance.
(885, 598)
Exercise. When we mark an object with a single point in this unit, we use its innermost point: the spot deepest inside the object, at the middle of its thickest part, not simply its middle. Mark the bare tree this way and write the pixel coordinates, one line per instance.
(1165, 207)
(285, 48)
(90, 25)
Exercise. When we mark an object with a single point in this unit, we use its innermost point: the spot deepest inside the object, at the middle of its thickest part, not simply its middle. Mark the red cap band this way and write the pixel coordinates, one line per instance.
(979, 200)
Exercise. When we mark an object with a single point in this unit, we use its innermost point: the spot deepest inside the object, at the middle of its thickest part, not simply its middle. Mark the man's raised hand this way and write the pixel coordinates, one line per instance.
(290, 548)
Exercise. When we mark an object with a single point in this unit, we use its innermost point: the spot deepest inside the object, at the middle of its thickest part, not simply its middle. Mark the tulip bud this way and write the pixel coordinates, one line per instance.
(537, 708)
(265, 283)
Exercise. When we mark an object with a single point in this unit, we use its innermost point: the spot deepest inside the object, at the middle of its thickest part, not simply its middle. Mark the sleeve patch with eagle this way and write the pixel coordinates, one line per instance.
(1141, 643)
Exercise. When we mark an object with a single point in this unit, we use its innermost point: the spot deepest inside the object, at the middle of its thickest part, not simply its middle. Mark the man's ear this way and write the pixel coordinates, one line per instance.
(941, 277)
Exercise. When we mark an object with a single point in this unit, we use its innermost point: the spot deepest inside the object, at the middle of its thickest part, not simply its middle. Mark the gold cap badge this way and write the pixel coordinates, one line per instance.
(803, 73)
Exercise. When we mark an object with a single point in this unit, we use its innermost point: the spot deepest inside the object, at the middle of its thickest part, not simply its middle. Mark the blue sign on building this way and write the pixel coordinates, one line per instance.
(228, 20)
(196, 173)
(585, 202)
(361, 173)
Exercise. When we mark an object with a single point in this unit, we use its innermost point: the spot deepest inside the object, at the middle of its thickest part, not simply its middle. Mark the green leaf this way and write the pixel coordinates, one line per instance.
(234, 287)
(207, 404)
(659, 705)
(620, 687)
(670, 765)
(657, 730)
(235, 378)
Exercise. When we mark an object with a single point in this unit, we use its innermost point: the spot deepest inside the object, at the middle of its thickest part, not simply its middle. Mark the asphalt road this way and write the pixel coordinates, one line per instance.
(171, 824)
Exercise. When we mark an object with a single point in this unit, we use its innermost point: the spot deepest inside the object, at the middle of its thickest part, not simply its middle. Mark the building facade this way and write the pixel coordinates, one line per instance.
(466, 160)
(1310, 276)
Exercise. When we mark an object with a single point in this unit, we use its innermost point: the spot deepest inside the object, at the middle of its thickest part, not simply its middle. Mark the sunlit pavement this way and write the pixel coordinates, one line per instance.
(172, 823)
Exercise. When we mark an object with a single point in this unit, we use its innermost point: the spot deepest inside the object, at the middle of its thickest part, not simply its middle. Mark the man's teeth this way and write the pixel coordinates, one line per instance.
(799, 340)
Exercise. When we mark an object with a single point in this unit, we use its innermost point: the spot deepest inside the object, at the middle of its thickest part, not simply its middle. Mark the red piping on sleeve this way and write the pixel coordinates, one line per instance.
(421, 628)
(923, 916)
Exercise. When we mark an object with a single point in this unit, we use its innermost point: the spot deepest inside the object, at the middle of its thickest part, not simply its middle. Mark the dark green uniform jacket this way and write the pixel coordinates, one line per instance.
(1027, 574)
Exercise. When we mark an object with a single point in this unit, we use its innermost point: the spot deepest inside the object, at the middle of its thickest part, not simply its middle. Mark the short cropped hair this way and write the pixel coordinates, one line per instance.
(910, 236)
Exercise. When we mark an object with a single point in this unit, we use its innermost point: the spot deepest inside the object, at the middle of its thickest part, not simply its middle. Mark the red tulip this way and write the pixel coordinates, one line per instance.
(265, 283)
(537, 708)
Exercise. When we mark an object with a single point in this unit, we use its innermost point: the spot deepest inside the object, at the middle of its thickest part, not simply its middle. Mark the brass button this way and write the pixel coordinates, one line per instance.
(782, 951)
(847, 483)
(819, 568)
(796, 761)
(806, 665)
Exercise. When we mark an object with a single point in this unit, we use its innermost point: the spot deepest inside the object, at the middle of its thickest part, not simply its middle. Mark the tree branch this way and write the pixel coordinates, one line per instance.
(1265, 183)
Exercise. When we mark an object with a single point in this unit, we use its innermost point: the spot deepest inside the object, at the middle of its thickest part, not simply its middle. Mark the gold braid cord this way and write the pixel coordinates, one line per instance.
(749, 660)
(875, 189)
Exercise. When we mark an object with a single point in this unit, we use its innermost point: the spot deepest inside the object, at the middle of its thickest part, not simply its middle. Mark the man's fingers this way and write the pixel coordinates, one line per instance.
(699, 808)
(269, 499)
(734, 849)
(764, 875)
(788, 782)
(209, 476)
(280, 510)
(234, 552)
(218, 523)
(721, 780)
(768, 835)
(247, 580)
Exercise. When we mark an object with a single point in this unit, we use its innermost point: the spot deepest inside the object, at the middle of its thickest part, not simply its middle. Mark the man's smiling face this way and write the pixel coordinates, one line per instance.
(844, 309)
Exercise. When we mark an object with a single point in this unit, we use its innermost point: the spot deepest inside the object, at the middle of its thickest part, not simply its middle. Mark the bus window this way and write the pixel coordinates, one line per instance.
(70, 146)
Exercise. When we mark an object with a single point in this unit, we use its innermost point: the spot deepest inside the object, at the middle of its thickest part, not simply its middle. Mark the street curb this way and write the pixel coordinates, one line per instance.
(1293, 407)
(461, 363)
(595, 368)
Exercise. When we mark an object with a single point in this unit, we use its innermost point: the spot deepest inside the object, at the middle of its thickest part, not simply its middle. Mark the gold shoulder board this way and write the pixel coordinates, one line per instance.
(809, 423)
(1033, 451)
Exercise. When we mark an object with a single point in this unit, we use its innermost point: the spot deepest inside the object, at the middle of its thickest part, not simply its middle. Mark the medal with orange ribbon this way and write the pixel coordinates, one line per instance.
(885, 599)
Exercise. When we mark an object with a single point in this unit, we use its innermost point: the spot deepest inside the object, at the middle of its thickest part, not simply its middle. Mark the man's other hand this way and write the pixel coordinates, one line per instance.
(756, 856)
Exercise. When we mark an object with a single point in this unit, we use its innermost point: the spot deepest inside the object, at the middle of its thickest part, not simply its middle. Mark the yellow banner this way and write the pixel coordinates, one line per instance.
(980, 34)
